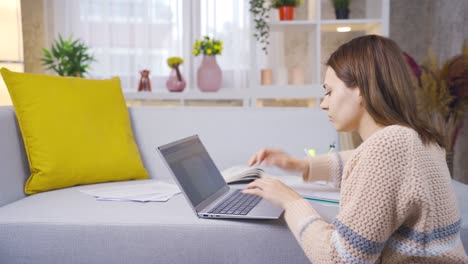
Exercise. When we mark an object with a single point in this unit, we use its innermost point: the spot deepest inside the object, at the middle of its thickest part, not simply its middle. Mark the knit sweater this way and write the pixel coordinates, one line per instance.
(397, 205)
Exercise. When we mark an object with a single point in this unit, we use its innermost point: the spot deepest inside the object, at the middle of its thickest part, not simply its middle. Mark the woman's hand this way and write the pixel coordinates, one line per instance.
(272, 190)
(279, 158)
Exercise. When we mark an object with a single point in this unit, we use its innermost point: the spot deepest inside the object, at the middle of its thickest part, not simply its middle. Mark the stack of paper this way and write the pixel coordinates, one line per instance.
(152, 191)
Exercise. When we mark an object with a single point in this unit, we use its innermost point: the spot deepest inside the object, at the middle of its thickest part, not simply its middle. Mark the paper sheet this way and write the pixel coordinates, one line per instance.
(151, 191)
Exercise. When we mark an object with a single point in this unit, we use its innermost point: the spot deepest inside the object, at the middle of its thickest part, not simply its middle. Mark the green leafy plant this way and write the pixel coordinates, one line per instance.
(207, 46)
(260, 10)
(341, 4)
(67, 57)
(280, 3)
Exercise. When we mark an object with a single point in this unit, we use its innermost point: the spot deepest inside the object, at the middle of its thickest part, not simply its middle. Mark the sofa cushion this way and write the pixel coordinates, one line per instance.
(75, 131)
(65, 224)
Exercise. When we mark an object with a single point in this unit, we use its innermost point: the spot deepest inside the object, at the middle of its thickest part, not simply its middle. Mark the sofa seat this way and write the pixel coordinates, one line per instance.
(69, 225)
(461, 190)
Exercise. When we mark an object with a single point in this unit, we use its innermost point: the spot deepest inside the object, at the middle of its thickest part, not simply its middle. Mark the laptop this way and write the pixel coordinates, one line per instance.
(205, 188)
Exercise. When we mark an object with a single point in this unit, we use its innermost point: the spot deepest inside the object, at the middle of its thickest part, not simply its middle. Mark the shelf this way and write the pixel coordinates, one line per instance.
(262, 92)
(367, 25)
(190, 94)
(350, 21)
(293, 23)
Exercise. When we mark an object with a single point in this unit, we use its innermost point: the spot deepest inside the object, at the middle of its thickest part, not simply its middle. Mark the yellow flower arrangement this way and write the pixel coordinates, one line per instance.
(207, 46)
(174, 62)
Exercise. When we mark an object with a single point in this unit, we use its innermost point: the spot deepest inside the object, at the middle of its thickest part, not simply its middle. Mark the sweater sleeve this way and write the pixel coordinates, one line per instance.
(328, 167)
(374, 204)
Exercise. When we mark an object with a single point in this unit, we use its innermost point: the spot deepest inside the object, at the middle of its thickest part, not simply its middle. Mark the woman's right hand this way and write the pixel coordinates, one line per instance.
(279, 158)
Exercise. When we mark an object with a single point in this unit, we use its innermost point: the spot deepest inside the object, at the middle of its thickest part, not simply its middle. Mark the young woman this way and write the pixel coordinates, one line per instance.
(397, 204)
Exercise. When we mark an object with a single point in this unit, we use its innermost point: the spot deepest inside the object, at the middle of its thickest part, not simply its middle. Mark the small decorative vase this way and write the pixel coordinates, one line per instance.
(175, 82)
(144, 84)
(266, 77)
(286, 12)
(342, 13)
(296, 76)
(209, 75)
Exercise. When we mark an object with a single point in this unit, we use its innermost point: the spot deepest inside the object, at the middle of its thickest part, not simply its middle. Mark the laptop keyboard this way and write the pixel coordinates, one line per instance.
(237, 204)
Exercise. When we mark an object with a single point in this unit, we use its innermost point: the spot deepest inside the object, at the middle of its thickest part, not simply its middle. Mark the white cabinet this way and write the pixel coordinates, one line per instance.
(299, 48)
(297, 53)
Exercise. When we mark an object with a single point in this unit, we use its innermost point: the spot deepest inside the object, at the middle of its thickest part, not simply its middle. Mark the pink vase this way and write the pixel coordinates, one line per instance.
(209, 75)
(175, 82)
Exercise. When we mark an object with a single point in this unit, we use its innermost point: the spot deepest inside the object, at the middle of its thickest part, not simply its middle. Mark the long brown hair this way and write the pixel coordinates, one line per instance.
(377, 66)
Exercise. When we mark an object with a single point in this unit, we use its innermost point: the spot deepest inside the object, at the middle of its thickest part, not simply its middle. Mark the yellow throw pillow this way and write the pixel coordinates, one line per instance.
(75, 131)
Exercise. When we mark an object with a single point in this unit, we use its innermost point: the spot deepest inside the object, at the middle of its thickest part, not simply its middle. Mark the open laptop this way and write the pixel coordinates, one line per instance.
(205, 188)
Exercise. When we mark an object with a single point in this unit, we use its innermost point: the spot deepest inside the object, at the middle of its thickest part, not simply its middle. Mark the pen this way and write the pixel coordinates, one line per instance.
(321, 200)
(332, 147)
(312, 153)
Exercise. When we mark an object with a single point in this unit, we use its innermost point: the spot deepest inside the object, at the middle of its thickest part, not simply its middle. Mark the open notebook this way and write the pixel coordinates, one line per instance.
(241, 174)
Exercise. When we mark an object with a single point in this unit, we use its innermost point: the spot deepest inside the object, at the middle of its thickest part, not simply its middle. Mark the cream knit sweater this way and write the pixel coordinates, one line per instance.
(397, 205)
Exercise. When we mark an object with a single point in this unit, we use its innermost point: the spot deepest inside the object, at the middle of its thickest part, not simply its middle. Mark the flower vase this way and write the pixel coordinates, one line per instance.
(342, 13)
(286, 12)
(175, 82)
(209, 75)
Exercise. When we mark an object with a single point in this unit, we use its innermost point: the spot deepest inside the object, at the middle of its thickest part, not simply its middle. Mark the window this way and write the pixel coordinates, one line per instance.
(127, 36)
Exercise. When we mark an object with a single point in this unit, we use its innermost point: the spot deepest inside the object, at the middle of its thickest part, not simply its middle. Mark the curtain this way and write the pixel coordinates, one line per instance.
(229, 21)
(127, 36)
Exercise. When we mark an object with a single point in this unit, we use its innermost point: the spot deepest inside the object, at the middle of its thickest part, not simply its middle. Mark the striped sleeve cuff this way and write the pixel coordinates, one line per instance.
(299, 214)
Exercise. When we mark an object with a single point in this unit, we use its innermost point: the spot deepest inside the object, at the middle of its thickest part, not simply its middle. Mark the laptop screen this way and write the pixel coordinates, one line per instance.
(194, 169)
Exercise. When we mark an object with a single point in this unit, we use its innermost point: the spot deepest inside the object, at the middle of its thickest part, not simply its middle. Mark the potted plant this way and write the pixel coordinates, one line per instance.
(175, 82)
(443, 96)
(209, 75)
(286, 8)
(67, 57)
(341, 8)
(260, 10)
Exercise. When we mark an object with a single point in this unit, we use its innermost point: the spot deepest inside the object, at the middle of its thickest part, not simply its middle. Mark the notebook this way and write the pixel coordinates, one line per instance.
(205, 188)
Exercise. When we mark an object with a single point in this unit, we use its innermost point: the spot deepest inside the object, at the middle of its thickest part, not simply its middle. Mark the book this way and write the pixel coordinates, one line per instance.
(241, 174)
(314, 191)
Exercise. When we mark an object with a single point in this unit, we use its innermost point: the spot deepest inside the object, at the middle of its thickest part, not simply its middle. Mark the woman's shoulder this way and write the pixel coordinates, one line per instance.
(396, 132)
(391, 138)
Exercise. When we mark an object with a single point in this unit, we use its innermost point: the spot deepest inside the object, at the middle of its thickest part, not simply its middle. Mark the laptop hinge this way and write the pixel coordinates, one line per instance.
(211, 199)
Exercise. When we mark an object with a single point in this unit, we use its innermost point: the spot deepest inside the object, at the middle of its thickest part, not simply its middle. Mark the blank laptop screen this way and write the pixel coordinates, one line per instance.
(194, 169)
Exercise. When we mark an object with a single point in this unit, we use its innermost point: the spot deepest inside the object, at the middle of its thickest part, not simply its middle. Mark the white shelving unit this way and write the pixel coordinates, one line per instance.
(304, 43)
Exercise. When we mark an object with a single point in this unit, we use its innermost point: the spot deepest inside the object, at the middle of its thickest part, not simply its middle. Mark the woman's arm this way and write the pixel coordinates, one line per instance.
(328, 167)
(374, 203)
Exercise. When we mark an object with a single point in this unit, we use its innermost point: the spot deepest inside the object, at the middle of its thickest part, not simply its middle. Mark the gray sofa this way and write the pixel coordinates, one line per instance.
(67, 226)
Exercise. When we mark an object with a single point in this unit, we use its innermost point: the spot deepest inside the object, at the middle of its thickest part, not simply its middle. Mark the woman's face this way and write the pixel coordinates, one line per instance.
(342, 104)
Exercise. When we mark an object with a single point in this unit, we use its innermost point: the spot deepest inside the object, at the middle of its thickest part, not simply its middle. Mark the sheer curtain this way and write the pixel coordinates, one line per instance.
(127, 36)
(229, 20)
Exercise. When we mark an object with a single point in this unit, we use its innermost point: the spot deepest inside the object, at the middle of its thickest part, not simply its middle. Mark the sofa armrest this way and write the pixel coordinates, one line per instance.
(14, 168)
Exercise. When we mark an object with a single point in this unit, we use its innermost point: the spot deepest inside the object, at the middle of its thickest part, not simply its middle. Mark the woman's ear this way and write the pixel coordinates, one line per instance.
(359, 96)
